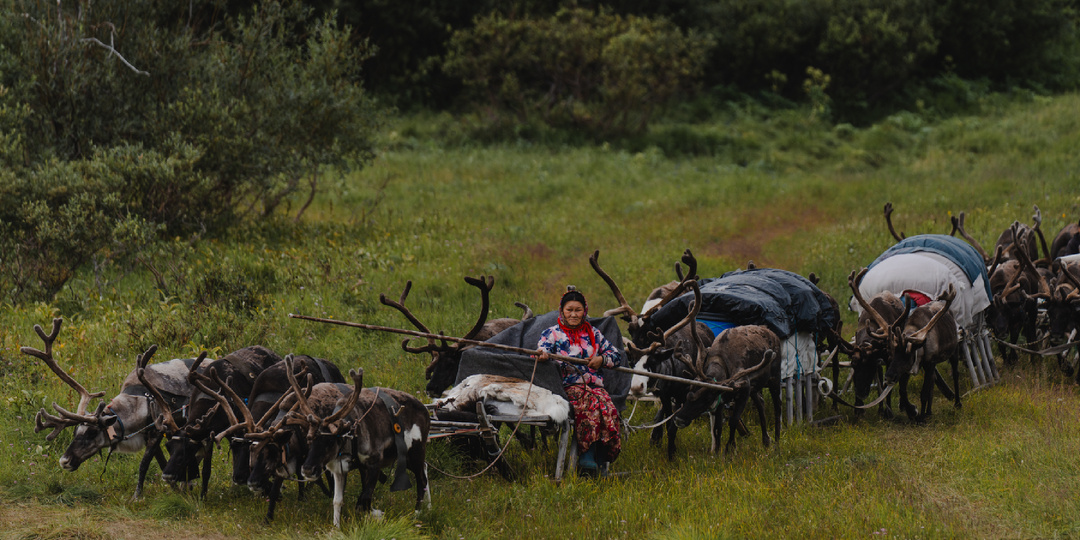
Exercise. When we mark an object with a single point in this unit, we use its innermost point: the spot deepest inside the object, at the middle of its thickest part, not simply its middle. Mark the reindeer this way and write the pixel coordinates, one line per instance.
(870, 353)
(732, 359)
(368, 429)
(1018, 286)
(126, 423)
(1063, 308)
(1066, 242)
(446, 356)
(275, 451)
(921, 339)
(194, 441)
(660, 350)
(268, 387)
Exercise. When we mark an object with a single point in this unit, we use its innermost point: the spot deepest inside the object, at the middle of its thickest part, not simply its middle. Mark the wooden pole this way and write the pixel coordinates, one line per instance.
(509, 348)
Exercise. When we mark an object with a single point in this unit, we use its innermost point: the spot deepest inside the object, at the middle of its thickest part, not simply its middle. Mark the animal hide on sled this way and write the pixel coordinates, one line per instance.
(503, 396)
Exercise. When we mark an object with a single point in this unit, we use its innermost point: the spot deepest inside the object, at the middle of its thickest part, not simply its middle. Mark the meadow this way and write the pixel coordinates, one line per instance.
(783, 190)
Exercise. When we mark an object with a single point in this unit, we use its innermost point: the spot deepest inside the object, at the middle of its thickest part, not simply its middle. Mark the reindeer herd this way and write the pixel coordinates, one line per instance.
(298, 418)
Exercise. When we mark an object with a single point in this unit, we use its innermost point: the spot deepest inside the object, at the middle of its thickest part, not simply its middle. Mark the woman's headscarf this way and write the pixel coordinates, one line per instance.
(584, 331)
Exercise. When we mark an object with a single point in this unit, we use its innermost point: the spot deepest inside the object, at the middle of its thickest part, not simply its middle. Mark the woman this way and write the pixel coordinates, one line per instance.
(596, 420)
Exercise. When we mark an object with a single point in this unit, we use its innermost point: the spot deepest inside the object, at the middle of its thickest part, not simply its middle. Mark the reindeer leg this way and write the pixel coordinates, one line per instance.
(672, 430)
(369, 477)
(658, 432)
(339, 468)
(207, 462)
(419, 469)
(736, 417)
(759, 404)
(926, 397)
(885, 409)
(153, 449)
(905, 402)
(275, 494)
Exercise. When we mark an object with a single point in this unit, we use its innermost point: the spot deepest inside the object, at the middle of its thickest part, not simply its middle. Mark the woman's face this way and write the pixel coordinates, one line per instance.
(573, 312)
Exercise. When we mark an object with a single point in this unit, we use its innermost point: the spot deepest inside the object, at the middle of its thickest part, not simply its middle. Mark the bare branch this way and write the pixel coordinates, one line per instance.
(112, 50)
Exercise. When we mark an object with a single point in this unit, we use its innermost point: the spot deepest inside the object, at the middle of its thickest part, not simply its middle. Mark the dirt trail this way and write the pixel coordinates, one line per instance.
(29, 520)
(756, 229)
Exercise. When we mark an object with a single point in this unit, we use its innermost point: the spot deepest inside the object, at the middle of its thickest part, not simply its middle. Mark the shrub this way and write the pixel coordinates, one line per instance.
(593, 70)
(193, 122)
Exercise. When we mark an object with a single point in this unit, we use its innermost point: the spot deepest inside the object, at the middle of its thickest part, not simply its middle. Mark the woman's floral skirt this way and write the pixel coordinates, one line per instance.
(596, 420)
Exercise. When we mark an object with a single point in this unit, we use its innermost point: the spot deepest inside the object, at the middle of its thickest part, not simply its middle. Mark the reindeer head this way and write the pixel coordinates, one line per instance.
(924, 336)
(1063, 308)
(645, 336)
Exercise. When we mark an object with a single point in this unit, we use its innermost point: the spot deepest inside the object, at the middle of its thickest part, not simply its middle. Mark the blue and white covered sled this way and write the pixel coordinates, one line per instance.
(928, 264)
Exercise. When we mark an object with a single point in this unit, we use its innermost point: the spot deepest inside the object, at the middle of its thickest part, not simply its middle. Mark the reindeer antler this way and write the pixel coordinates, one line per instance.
(66, 418)
(959, 224)
(400, 306)
(166, 416)
(357, 376)
(1037, 220)
(485, 284)
(920, 336)
(527, 312)
(624, 306)
(1028, 265)
(888, 221)
(853, 282)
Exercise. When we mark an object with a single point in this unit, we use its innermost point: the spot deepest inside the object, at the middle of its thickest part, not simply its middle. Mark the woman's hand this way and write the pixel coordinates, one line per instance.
(596, 362)
(542, 357)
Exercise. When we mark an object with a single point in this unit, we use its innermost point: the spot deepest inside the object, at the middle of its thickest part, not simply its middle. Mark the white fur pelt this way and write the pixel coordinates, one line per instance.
(507, 394)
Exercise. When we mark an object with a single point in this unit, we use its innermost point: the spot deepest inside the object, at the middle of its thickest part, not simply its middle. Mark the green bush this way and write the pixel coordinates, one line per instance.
(192, 123)
(596, 71)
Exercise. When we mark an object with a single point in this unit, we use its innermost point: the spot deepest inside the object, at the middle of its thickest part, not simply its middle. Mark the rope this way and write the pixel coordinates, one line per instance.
(528, 394)
(651, 426)
(1051, 351)
(631, 417)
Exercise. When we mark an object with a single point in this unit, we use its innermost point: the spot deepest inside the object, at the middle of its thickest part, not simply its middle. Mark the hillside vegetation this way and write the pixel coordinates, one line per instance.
(783, 190)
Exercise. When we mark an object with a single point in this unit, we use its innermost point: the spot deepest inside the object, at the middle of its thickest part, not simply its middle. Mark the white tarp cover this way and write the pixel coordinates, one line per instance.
(929, 274)
(798, 354)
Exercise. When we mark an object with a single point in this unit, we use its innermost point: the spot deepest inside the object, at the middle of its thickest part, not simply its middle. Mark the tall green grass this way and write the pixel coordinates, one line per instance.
(801, 196)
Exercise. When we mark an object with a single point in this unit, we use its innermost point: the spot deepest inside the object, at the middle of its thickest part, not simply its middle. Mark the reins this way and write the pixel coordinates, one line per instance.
(528, 395)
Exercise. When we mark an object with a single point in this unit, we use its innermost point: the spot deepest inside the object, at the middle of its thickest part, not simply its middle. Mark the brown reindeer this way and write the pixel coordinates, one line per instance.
(368, 429)
(870, 353)
(1067, 242)
(921, 339)
(742, 357)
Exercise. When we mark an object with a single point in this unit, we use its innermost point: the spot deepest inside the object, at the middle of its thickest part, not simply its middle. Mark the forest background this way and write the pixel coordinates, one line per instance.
(186, 175)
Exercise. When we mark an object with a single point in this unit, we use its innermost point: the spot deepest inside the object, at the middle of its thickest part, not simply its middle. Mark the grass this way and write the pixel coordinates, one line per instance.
(781, 191)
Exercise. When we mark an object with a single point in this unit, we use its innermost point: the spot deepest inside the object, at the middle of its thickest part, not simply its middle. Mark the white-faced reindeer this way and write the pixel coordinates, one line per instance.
(126, 423)
(446, 356)
(659, 350)
(369, 429)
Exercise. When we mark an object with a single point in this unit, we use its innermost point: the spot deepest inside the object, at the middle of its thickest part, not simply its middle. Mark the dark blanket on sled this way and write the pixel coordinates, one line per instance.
(480, 360)
(781, 300)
